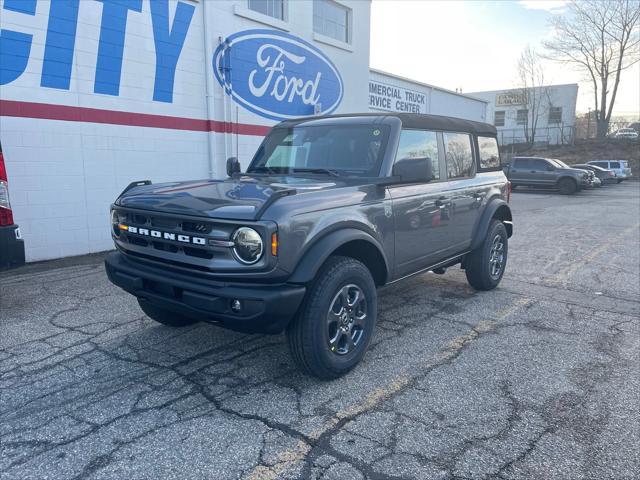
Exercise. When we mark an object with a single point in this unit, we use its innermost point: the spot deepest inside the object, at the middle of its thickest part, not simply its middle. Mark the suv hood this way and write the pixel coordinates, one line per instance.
(241, 198)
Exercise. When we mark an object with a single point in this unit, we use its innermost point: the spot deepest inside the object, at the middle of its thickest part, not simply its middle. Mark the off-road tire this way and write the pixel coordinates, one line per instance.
(478, 262)
(163, 316)
(567, 186)
(308, 335)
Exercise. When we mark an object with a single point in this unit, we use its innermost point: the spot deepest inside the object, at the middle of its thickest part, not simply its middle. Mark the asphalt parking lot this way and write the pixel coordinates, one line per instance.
(539, 379)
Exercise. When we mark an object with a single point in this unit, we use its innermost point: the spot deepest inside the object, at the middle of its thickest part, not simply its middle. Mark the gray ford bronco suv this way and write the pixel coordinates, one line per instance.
(330, 209)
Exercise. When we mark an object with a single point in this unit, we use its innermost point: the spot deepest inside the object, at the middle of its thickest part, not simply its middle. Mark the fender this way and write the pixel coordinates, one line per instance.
(319, 251)
(495, 205)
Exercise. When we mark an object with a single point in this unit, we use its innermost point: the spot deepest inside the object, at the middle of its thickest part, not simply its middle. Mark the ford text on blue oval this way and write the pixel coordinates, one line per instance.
(277, 75)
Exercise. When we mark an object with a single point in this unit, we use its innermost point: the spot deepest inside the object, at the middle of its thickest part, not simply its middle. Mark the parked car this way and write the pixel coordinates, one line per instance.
(11, 242)
(546, 173)
(592, 180)
(329, 209)
(626, 133)
(619, 167)
(606, 176)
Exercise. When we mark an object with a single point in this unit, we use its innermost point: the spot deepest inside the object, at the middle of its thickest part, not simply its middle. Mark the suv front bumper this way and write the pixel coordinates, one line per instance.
(264, 308)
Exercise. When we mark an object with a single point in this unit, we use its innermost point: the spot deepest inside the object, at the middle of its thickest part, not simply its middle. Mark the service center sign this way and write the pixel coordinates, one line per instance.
(396, 99)
(277, 75)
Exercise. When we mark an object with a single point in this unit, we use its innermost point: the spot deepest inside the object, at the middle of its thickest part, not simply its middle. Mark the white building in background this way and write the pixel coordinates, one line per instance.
(511, 112)
(392, 93)
(95, 94)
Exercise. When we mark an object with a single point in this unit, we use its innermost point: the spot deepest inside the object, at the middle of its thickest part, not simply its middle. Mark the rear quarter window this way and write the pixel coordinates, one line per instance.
(615, 164)
(489, 153)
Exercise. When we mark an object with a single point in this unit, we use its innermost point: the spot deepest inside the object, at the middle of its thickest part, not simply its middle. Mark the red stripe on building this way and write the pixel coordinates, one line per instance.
(11, 108)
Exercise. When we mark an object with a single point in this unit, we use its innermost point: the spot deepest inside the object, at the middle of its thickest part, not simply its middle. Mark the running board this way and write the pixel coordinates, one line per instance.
(445, 263)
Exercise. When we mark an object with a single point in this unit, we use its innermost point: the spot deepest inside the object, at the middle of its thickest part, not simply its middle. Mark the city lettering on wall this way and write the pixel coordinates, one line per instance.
(168, 37)
(396, 99)
(277, 75)
(510, 98)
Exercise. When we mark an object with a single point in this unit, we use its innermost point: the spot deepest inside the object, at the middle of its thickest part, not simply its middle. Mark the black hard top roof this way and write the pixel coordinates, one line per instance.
(410, 120)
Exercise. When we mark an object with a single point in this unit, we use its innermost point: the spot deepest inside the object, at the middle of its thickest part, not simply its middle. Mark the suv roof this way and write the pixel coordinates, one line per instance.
(411, 120)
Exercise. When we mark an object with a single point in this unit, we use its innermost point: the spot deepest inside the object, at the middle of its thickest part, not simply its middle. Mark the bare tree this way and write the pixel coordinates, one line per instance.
(535, 96)
(601, 38)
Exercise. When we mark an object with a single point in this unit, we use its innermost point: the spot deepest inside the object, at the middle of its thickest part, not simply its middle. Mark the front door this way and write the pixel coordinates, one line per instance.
(422, 211)
(542, 171)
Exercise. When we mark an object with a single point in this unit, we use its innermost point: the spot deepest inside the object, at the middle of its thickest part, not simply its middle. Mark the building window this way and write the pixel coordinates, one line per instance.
(332, 19)
(498, 119)
(555, 115)
(458, 154)
(272, 8)
(420, 143)
(522, 116)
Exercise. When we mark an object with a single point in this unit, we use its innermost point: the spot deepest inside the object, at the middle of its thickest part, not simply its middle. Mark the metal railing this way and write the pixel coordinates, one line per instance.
(544, 136)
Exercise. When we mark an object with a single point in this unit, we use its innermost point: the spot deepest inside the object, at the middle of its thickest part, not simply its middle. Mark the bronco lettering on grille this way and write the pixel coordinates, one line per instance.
(165, 235)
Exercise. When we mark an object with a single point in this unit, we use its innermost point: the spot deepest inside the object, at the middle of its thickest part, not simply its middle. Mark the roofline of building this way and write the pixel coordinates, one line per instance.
(428, 85)
(521, 88)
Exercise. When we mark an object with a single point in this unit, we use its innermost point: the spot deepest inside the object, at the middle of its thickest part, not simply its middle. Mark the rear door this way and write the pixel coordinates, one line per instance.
(420, 209)
(518, 171)
(465, 192)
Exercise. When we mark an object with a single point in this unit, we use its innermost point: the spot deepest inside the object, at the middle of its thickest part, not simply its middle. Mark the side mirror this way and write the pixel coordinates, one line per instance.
(233, 166)
(414, 170)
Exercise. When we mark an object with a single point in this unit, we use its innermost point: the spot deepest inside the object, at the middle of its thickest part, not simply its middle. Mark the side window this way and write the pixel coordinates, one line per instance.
(614, 164)
(489, 154)
(420, 143)
(458, 154)
(521, 163)
(539, 164)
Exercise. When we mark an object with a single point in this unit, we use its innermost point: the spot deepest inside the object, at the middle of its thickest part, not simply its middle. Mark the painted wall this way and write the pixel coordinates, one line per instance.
(95, 94)
(392, 93)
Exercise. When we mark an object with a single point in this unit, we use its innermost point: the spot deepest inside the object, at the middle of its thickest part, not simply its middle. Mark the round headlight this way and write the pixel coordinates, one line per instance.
(247, 245)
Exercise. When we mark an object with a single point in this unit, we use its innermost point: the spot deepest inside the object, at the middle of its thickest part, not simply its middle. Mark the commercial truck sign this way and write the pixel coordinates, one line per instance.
(396, 99)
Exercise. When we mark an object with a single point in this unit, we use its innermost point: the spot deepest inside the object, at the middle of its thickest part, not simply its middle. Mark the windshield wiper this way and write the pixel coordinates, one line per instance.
(328, 171)
(262, 168)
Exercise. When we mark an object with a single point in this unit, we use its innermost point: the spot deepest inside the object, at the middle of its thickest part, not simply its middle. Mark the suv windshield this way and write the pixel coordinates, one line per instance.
(558, 163)
(327, 149)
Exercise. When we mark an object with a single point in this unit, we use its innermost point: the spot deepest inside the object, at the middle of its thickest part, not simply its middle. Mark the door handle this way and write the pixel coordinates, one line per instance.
(442, 202)
(532, 171)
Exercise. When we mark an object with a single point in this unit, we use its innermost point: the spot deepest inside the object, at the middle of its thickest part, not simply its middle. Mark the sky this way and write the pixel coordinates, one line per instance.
(475, 46)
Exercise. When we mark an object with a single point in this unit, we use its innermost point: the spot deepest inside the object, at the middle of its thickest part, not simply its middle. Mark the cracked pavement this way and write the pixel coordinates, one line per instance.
(536, 379)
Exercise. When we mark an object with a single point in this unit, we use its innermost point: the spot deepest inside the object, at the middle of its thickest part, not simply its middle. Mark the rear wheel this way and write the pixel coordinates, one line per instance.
(335, 324)
(485, 266)
(165, 317)
(567, 186)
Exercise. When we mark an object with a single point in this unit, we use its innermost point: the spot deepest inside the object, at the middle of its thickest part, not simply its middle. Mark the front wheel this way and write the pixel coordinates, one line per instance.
(485, 265)
(567, 186)
(335, 324)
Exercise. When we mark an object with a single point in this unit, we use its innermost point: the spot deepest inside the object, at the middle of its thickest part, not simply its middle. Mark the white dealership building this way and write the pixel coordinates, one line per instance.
(95, 94)
(545, 114)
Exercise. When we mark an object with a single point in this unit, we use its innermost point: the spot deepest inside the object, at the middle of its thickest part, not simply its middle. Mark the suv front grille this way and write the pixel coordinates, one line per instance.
(161, 237)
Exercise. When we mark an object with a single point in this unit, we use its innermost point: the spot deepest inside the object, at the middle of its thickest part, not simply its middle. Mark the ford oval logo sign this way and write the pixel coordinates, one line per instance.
(277, 75)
